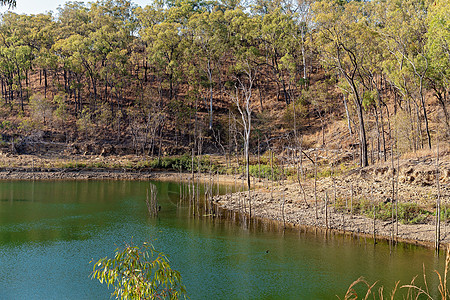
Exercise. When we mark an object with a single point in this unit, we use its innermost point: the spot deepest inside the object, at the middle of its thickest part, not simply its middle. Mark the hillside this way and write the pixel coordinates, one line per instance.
(194, 78)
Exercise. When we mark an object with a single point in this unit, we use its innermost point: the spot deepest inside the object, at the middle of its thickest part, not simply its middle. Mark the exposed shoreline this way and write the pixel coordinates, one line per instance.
(103, 174)
(297, 215)
(267, 201)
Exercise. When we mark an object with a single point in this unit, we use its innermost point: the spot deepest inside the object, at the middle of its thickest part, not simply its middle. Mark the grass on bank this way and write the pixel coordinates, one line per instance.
(266, 169)
(408, 213)
(165, 163)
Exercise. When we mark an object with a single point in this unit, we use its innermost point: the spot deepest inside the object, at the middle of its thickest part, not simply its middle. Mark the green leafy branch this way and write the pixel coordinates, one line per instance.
(139, 273)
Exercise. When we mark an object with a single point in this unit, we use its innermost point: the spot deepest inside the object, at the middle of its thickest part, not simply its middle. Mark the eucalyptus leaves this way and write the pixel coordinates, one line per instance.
(139, 273)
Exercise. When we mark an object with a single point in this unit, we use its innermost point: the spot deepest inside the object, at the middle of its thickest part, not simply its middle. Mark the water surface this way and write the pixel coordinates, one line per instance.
(50, 230)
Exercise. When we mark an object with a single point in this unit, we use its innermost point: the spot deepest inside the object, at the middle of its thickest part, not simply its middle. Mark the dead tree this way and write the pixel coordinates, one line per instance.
(438, 202)
(151, 201)
(315, 183)
(242, 98)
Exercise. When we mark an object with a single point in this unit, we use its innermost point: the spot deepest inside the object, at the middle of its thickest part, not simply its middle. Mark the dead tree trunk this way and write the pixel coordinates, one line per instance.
(438, 202)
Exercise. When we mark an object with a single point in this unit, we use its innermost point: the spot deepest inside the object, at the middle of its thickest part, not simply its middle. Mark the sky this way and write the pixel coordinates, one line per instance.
(36, 6)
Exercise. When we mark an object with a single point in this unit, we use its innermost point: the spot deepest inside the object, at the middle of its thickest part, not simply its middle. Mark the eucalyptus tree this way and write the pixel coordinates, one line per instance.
(304, 18)
(22, 58)
(70, 59)
(73, 18)
(162, 31)
(16, 53)
(92, 42)
(403, 26)
(146, 18)
(279, 39)
(139, 273)
(89, 54)
(7, 70)
(263, 7)
(371, 75)
(438, 51)
(209, 36)
(341, 45)
(72, 27)
(229, 4)
(41, 37)
(243, 72)
(167, 51)
(9, 3)
(111, 32)
(115, 25)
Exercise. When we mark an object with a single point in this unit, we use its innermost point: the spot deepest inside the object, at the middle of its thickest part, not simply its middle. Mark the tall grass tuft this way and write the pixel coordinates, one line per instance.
(413, 290)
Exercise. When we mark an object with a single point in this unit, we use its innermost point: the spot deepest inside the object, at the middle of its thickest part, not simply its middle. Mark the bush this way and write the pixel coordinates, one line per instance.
(61, 112)
(403, 131)
(6, 125)
(41, 108)
(84, 122)
(411, 213)
(445, 212)
(264, 171)
(182, 162)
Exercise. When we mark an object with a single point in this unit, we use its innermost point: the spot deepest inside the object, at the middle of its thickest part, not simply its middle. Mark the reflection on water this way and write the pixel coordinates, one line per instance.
(50, 230)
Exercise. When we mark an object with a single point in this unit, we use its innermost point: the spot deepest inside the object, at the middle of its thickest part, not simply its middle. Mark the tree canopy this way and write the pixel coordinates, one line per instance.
(113, 60)
(9, 3)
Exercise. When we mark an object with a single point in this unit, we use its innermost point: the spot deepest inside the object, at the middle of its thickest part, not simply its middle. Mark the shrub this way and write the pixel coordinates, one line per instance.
(264, 171)
(41, 108)
(61, 111)
(182, 162)
(5, 125)
(84, 123)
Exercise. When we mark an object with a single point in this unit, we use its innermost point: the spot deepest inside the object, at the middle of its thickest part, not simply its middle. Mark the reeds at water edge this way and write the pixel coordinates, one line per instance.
(413, 290)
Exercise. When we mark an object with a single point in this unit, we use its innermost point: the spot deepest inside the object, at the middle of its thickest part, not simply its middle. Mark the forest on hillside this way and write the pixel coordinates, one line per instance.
(228, 76)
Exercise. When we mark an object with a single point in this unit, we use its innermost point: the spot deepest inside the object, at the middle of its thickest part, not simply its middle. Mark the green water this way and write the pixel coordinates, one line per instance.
(49, 231)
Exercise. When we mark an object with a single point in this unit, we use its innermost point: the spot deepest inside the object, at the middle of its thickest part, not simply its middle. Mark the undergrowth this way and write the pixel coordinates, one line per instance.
(265, 171)
(183, 163)
(408, 213)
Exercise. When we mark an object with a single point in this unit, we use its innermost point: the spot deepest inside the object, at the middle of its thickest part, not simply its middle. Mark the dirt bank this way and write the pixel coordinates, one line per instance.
(30, 173)
(283, 202)
(371, 186)
(39, 167)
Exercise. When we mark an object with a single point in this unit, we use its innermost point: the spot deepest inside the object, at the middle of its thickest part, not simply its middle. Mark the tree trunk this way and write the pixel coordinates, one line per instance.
(442, 99)
(422, 99)
(348, 115)
(364, 162)
(45, 83)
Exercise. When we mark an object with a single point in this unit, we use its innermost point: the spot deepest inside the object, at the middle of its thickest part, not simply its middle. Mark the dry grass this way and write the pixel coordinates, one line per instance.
(413, 290)
(444, 150)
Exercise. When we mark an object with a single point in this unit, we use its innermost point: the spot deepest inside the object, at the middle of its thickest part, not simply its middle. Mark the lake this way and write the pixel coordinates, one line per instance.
(51, 230)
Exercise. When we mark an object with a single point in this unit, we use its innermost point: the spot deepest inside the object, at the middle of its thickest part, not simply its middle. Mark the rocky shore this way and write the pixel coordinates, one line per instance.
(286, 202)
(296, 213)
(289, 205)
